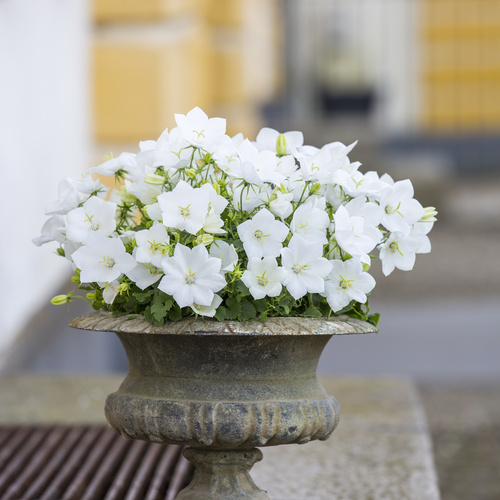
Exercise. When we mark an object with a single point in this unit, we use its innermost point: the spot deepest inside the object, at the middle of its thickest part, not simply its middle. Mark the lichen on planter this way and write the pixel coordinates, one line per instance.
(223, 385)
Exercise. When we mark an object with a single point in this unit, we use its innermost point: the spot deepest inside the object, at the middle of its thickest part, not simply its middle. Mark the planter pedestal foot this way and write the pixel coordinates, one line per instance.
(222, 475)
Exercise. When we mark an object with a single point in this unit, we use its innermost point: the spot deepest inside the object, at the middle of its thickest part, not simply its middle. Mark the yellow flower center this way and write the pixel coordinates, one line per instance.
(108, 261)
(344, 283)
(259, 236)
(190, 278)
(185, 212)
(262, 280)
(297, 268)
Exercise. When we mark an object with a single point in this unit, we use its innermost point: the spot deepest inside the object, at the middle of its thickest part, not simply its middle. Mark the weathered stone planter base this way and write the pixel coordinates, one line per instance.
(222, 475)
(223, 388)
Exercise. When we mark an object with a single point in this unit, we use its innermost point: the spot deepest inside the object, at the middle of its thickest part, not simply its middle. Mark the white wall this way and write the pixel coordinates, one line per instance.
(44, 135)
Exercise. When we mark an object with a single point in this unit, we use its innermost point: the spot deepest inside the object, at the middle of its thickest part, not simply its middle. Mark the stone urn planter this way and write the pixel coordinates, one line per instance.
(223, 389)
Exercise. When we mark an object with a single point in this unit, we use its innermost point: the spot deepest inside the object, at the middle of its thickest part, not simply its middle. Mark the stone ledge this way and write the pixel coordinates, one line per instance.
(380, 451)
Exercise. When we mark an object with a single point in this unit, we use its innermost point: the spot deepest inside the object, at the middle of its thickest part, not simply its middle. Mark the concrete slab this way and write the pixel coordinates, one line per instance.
(380, 451)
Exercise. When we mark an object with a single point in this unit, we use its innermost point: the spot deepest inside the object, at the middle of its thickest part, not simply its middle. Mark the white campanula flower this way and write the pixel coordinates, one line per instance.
(213, 224)
(371, 212)
(259, 166)
(306, 266)
(419, 231)
(154, 212)
(248, 197)
(171, 151)
(264, 277)
(196, 207)
(144, 275)
(310, 220)
(216, 205)
(399, 252)
(377, 184)
(226, 253)
(334, 195)
(88, 185)
(70, 247)
(52, 230)
(152, 245)
(281, 203)
(227, 159)
(346, 282)
(95, 216)
(192, 276)
(126, 162)
(137, 183)
(69, 198)
(352, 236)
(145, 192)
(184, 207)
(262, 236)
(281, 144)
(102, 259)
(357, 184)
(209, 310)
(110, 291)
(317, 167)
(400, 209)
(199, 130)
(339, 155)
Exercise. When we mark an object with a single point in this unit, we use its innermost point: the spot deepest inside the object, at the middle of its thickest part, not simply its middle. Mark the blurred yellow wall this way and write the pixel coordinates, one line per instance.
(156, 58)
(460, 47)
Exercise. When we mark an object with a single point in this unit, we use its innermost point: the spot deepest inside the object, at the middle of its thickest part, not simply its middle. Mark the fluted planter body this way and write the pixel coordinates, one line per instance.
(223, 386)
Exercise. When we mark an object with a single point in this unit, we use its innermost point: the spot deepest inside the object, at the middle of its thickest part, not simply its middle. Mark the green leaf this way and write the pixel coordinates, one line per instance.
(241, 289)
(159, 310)
(260, 305)
(220, 314)
(248, 311)
(374, 319)
(148, 316)
(233, 308)
(143, 297)
(312, 312)
(175, 313)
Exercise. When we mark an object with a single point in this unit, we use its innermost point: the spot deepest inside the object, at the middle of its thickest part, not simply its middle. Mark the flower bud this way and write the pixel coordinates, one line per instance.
(154, 179)
(236, 274)
(123, 287)
(59, 300)
(75, 280)
(60, 251)
(216, 186)
(204, 239)
(316, 187)
(90, 296)
(429, 215)
(126, 196)
(191, 173)
(281, 145)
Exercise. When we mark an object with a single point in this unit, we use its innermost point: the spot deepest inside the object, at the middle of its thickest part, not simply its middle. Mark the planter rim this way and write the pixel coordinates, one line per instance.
(104, 321)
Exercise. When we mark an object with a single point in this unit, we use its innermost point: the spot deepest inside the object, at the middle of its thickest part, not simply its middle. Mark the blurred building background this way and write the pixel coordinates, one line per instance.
(417, 82)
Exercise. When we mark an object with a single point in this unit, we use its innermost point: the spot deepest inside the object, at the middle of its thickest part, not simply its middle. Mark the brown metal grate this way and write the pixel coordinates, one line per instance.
(87, 463)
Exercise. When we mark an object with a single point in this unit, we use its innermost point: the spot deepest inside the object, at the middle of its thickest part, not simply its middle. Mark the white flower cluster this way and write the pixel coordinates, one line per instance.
(197, 211)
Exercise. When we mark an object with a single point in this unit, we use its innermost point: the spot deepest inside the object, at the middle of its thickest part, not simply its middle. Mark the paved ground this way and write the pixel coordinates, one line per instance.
(464, 420)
